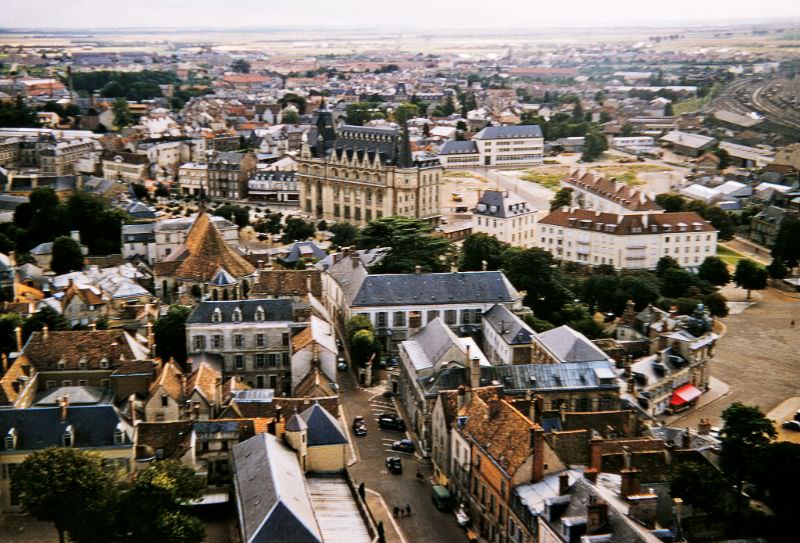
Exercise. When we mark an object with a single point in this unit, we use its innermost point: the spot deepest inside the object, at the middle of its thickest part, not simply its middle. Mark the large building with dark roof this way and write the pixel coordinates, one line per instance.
(358, 173)
(506, 216)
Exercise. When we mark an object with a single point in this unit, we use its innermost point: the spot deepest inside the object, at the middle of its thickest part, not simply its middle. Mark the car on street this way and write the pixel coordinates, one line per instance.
(359, 426)
(391, 421)
(792, 425)
(404, 445)
(341, 364)
(394, 465)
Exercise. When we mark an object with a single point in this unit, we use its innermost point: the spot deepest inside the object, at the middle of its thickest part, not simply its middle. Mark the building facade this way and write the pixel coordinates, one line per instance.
(505, 216)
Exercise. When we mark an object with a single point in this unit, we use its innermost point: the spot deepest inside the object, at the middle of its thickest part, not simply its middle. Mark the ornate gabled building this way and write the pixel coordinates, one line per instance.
(358, 173)
(204, 266)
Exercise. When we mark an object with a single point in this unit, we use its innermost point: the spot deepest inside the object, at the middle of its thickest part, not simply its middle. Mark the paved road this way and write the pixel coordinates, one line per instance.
(759, 357)
(426, 523)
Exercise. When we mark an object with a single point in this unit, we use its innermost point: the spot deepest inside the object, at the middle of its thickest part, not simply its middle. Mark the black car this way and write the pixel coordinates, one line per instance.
(390, 421)
(394, 465)
(359, 426)
(404, 445)
(792, 425)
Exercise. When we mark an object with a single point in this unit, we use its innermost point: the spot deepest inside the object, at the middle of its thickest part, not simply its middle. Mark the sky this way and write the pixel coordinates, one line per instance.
(427, 14)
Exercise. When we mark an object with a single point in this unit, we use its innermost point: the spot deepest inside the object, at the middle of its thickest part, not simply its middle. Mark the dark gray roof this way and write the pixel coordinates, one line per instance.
(509, 132)
(323, 429)
(296, 424)
(78, 395)
(41, 427)
(303, 249)
(570, 345)
(459, 148)
(500, 204)
(274, 310)
(436, 288)
(509, 326)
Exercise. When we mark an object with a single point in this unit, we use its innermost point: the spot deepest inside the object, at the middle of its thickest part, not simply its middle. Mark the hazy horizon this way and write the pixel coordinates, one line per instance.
(260, 15)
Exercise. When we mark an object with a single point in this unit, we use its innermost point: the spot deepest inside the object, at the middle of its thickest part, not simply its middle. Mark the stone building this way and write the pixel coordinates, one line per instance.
(228, 174)
(359, 173)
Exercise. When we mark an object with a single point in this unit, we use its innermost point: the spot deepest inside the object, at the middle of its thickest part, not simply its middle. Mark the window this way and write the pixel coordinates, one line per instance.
(414, 319)
(83, 383)
(261, 381)
(285, 338)
(237, 315)
(432, 314)
(238, 340)
(216, 341)
(259, 314)
(451, 317)
(380, 319)
(261, 361)
(239, 361)
(50, 385)
(285, 357)
(11, 439)
(216, 316)
(66, 383)
(400, 318)
(259, 340)
(272, 360)
(82, 364)
(164, 400)
(199, 343)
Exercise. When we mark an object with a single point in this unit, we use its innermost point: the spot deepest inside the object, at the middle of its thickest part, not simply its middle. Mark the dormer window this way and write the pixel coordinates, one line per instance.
(11, 439)
(259, 313)
(119, 434)
(68, 439)
(82, 364)
(237, 315)
(216, 316)
(104, 363)
(62, 364)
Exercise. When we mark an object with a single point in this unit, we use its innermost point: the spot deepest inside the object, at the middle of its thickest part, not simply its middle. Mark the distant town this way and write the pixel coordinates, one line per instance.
(351, 287)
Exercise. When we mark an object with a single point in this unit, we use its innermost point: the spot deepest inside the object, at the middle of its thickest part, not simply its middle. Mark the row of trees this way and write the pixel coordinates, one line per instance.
(142, 85)
(90, 503)
(720, 219)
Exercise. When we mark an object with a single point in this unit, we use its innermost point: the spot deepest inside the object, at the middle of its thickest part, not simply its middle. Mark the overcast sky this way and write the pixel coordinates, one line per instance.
(382, 13)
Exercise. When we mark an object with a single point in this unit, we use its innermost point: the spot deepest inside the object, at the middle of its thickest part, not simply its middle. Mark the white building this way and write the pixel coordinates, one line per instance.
(496, 146)
(627, 241)
(192, 178)
(505, 216)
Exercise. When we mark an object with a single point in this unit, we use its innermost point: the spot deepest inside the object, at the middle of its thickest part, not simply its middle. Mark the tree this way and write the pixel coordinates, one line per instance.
(358, 113)
(699, 485)
(405, 112)
(671, 202)
(593, 145)
(363, 345)
(716, 304)
(357, 323)
(344, 234)
(786, 246)
(113, 89)
(750, 276)
(170, 334)
(296, 229)
(666, 263)
(322, 226)
(17, 113)
(290, 116)
(715, 271)
(533, 270)
(744, 436)
(122, 115)
(479, 248)
(563, 198)
(67, 256)
(8, 334)
(777, 269)
(236, 214)
(411, 242)
(241, 66)
(675, 282)
(775, 474)
(64, 486)
(45, 316)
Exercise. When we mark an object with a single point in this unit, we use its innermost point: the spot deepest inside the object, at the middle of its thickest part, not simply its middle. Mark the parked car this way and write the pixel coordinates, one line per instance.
(359, 426)
(792, 425)
(341, 364)
(394, 465)
(404, 445)
(391, 421)
(441, 498)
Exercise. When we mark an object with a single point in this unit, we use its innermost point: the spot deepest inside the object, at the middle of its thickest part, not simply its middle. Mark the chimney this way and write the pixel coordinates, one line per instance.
(418, 269)
(596, 515)
(454, 266)
(686, 440)
(76, 235)
(537, 444)
(132, 408)
(630, 482)
(355, 260)
(563, 483)
(45, 331)
(18, 332)
(461, 399)
(63, 403)
(539, 408)
(642, 508)
(150, 339)
(484, 265)
(308, 283)
(475, 372)
(596, 445)
(590, 474)
(631, 385)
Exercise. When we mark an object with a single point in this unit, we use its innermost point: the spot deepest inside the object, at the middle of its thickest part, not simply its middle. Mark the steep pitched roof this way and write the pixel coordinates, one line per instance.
(426, 348)
(570, 345)
(19, 372)
(315, 384)
(169, 378)
(509, 326)
(287, 283)
(323, 428)
(169, 440)
(206, 252)
(207, 369)
(91, 346)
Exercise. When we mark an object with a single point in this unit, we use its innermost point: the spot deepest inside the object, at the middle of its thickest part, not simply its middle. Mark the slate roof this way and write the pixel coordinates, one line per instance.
(501, 204)
(271, 493)
(274, 310)
(509, 132)
(459, 148)
(570, 345)
(304, 249)
(323, 428)
(41, 427)
(509, 326)
(173, 439)
(427, 347)
(437, 288)
(628, 225)
(296, 424)
(78, 395)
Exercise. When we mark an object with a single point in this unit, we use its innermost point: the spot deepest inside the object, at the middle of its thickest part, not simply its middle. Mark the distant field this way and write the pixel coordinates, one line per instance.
(695, 104)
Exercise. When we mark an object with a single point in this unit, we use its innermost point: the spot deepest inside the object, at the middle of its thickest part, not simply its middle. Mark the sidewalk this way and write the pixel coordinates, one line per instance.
(380, 512)
(716, 390)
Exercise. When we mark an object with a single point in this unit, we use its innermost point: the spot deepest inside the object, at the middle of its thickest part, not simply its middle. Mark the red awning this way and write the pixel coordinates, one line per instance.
(685, 394)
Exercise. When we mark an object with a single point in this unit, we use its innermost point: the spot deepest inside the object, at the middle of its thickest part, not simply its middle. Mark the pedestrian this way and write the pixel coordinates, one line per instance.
(408, 510)
(396, 511)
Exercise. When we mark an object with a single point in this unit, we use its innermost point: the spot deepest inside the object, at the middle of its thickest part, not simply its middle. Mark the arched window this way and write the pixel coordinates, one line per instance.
(216, 316)
(237, 314)
(259, 313)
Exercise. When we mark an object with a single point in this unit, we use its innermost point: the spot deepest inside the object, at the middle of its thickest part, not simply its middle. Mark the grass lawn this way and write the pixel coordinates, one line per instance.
(695, 104)
(547, 180)
(731, 257)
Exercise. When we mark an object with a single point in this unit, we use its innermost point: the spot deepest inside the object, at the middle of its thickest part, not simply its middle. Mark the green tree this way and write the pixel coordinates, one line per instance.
(715, 271)
(666, 263)
(479, 248)
(777, 269)
(344, 234)
(593, 146)
(296, 229)
(750, 276)
(411, 242)
(64, 486)
(786, 246)
(17, 114)
(236, 214)
(671, 202)
(745, 434)
(122, 115)
(44, 316)
(405, 112)
(299, 102)
(675, 282)
(290, 116)
(99, 224)
(699, 485)
(241, 66)
(363, 345)
(775, 474)
(8, 334)
(67, 256)
(562, 198)
(170, 334)
(716, 304)
(357, 323)
(724, 158)
(577, 111)
(358, 113)
(112, 89)
(533, 270)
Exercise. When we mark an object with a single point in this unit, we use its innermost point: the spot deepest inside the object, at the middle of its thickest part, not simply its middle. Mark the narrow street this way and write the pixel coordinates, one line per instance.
(426, 523)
